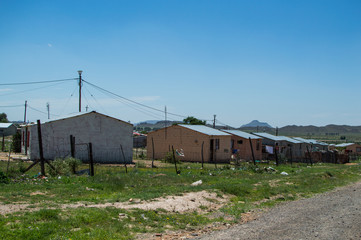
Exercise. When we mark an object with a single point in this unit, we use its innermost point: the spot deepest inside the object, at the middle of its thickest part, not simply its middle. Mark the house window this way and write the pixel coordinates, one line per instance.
(217, 144)
(358, 149)
(232, 144)
(240, 141)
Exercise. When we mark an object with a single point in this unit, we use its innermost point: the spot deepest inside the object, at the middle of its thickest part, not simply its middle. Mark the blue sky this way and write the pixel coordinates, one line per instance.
(281, 62)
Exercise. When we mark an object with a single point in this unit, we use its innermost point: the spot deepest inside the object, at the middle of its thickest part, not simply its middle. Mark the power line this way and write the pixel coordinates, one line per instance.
(39, 82)
(37, 110)
(33, 89)
(13, 106)
(129, 100)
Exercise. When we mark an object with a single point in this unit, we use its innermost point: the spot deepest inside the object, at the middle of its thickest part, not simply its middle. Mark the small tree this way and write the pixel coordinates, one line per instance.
(193, 121)
(3, 118)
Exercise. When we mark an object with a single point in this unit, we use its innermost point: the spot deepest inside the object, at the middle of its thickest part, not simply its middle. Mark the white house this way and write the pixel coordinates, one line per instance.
(111, 138)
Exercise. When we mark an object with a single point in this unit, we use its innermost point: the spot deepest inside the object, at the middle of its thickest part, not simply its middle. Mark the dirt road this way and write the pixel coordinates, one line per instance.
(332, 215)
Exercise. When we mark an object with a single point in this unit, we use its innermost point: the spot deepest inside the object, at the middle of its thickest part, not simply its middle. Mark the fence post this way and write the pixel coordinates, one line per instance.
(202, 154)
(254, 160)
(152, 153)
(125, 162)
(72, 146)
(276, 155)
(42, 165)
(175, 162)
(309, 155)
(90, 152)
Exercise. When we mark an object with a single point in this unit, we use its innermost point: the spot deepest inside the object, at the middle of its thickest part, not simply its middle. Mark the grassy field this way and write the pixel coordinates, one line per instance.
(246, 186)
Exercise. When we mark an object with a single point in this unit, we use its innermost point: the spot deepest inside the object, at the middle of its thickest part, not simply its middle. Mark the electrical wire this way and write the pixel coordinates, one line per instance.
(39, 82)
(129, 100)
(33, 89)
(13, 106)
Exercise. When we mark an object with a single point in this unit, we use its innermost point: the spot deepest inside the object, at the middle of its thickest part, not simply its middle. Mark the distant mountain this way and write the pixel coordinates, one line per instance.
(256, 123)
(151, 125)
(147, 122)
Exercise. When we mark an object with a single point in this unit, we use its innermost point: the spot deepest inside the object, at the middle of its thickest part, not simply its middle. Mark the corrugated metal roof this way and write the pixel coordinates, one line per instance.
(276, 138)
(288, 139)
(310, 141)
(269, 136)
(242, 134)
(205, 130)
(5, 125)
(344, 144)
(79, 114)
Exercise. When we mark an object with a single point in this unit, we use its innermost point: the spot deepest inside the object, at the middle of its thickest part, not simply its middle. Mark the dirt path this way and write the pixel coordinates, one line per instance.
(332, 215)
(188, 202)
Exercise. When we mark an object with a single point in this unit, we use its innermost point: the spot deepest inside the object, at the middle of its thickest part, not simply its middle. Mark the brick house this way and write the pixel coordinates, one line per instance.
(194, 141)
(241, 145)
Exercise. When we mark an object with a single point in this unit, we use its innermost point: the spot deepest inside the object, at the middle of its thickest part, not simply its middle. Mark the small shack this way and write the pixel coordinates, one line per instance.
(6, 129)
(241, 145)
(193, 143)
(313, 144)
(349, 148)
(285, 146)
(111, 138)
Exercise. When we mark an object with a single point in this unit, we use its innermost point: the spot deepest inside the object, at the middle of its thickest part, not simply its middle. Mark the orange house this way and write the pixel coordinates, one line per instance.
(194, 143)
(241, 145)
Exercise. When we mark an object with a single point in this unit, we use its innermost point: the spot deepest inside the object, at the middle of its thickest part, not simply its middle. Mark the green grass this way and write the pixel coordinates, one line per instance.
(250, 187)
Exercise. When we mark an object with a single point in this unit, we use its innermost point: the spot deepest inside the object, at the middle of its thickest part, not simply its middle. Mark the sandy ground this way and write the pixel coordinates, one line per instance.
(189, 202)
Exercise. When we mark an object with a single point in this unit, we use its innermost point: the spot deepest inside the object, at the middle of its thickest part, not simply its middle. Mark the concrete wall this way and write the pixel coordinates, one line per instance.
(105, 133)
(191, 143)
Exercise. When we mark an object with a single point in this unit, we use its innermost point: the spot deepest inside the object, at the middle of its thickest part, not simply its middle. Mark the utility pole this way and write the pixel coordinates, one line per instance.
(26, 105)
(48, 108)
(86, 108)
(214, 121)
(80, 72)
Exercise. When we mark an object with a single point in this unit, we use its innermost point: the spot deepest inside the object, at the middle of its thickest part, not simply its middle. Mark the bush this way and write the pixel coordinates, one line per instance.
(16, 143)
(169, 158)
(4, 178)
(65, 166)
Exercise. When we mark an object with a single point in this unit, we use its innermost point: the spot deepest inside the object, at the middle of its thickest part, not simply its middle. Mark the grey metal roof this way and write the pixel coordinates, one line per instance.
(5, 125)
(288, 139)
(310, 141)
(269, 136)
(276, 138)
(242, 134)
(205, 130)
(344, 144)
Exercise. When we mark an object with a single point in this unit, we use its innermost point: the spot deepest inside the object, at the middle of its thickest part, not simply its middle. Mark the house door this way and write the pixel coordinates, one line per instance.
(211, 144)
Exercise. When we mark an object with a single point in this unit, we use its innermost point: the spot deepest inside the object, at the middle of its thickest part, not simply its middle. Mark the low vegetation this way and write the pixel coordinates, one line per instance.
(246, 186)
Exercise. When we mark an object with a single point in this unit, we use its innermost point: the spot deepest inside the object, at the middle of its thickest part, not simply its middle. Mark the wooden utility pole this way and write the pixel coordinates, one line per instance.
(80, 83)
(48, 108)
(26, 105)
(214, 121)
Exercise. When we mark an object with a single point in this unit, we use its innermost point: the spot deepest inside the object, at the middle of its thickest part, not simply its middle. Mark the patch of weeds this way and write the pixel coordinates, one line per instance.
(65, 166)
(4, 178)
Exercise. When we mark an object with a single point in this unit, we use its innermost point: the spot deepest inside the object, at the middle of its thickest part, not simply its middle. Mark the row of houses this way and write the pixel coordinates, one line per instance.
(112, 140)
(201, 143)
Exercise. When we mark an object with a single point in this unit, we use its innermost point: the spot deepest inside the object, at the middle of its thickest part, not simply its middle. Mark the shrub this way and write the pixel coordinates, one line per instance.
(4, 178)
(169, 158)
(65, 166)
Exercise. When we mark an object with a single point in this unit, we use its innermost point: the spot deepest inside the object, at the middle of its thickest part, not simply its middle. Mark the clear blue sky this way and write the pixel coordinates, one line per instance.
(281, 62)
